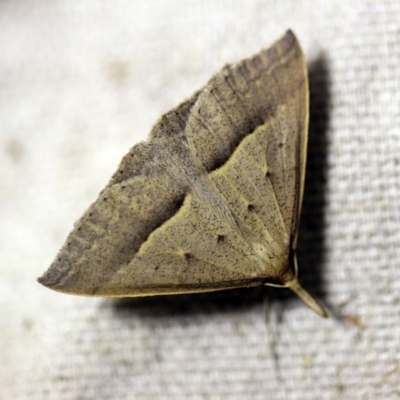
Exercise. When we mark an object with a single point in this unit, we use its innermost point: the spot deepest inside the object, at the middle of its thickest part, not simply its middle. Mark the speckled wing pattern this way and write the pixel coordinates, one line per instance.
(212, 199)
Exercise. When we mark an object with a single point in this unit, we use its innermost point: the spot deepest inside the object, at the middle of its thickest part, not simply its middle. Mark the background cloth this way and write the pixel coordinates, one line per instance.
(83, 81)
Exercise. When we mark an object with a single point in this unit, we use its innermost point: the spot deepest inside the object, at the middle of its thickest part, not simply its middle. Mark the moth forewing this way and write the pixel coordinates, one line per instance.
(212, 200)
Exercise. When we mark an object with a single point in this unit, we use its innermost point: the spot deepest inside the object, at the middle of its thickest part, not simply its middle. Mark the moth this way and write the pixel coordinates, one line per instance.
(211, 200)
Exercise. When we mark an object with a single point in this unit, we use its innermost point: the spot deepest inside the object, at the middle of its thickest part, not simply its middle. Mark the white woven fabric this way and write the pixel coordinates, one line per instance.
(80, 83)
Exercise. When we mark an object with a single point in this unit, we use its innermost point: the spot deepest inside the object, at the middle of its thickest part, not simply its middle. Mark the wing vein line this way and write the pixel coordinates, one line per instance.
(206, 228)
(262, 198)
(257, 216)
(271, 187)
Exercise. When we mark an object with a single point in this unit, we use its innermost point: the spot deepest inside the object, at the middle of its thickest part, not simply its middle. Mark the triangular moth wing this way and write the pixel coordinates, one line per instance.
(212, 200)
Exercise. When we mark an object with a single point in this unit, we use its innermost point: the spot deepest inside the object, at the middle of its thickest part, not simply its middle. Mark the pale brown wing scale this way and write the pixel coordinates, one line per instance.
(212, 200)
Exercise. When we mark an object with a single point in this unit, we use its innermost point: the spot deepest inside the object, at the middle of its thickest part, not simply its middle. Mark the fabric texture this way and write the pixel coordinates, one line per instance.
(80, 83)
